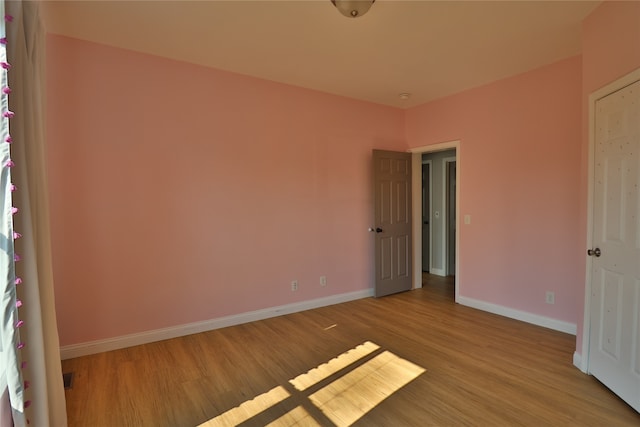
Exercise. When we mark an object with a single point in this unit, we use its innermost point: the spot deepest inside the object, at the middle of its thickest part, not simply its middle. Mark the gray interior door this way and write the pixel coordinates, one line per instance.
(392, 200)
(451, 218)
(426, 217)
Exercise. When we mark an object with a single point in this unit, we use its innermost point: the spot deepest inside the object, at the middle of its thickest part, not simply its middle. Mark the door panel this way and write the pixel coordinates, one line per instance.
(392, 201)
(614, 335)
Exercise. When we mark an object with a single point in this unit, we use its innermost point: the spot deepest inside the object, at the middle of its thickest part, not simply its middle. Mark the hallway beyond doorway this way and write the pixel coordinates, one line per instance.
(440, 287)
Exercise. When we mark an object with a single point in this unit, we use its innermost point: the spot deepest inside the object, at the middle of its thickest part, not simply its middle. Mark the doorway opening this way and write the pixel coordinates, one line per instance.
(436, 178)
(438, 286)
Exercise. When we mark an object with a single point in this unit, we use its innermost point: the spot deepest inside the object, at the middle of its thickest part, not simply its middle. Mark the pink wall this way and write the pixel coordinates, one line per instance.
(181, 193)
(520, 171)
(610, 49)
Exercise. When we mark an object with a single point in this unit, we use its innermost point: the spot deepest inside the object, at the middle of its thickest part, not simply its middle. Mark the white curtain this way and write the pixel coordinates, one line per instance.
(25, 49)
(11, 383)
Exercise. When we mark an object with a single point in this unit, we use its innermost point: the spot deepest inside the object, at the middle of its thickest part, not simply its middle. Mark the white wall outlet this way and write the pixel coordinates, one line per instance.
(550, 297)
(323, 280)
(467, 219)
(294, 285)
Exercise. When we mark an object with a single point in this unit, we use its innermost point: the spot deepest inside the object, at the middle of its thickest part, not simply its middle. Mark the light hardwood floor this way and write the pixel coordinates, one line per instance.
(438, 364)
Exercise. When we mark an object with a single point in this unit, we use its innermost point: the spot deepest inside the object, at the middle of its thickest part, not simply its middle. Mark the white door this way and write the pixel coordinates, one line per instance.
(614, 336)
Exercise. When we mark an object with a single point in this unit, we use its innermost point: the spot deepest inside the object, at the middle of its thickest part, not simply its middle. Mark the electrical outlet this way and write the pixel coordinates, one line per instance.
(550, 297)
(294, 285)
(323, 280)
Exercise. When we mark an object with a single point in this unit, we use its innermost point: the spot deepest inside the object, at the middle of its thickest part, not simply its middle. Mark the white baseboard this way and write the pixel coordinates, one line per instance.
(547, 322)
(437, 271)
(99, 346)
(579, 363)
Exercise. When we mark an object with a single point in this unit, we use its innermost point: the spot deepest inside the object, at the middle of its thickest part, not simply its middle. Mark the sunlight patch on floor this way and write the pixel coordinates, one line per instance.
(350, 397)
(249, 409)
(315, 375)
(298, 416)
(341, 401)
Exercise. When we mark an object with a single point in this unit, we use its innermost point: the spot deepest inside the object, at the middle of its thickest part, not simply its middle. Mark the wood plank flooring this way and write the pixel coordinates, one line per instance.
(465, 367)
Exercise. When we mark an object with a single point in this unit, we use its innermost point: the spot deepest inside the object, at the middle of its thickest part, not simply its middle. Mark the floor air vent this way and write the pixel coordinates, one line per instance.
(67, 379)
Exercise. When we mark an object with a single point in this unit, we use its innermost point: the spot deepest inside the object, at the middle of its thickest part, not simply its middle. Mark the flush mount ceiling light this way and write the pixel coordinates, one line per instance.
(353, 8)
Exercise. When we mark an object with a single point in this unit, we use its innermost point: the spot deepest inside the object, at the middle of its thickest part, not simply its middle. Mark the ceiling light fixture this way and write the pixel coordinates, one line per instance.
(405, 95)
(353, 8)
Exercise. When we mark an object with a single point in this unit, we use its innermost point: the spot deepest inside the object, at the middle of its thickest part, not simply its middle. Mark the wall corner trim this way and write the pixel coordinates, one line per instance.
(115, 343)
(578, 363)
(535, 319)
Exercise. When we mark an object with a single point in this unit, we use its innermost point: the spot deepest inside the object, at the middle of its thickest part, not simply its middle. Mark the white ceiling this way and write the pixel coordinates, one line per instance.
(430, 49)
